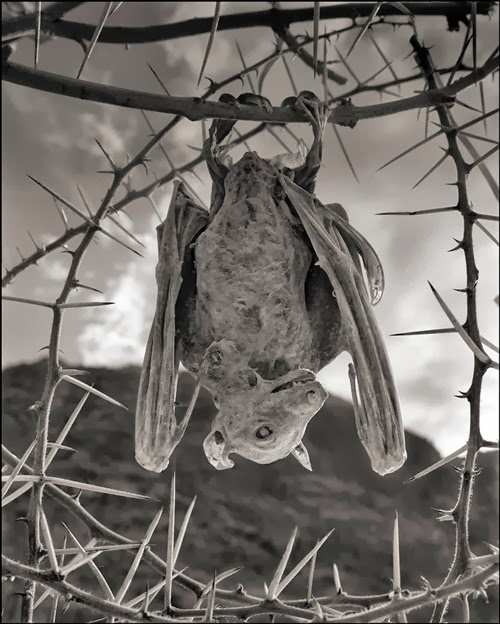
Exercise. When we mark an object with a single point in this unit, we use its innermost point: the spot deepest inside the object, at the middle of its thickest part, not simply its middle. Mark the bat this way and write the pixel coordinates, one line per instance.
(256, 296)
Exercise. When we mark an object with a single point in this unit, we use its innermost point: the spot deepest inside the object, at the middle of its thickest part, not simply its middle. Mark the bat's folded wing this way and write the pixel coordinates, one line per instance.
(157, 432)
(378, 417)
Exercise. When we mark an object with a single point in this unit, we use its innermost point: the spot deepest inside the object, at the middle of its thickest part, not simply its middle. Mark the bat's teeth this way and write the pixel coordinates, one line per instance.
(288, 385)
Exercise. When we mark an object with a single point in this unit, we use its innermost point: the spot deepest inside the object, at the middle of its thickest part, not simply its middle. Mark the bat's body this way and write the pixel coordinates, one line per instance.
(255, 281)
(255, 297)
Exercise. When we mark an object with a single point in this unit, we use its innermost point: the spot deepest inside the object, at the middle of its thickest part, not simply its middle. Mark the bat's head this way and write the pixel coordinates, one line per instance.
(263, 421)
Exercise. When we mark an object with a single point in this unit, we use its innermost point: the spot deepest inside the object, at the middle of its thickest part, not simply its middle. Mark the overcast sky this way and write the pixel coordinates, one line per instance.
(52, 138)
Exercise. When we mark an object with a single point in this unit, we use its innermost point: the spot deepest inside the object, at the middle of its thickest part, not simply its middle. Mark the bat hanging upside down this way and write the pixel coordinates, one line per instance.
(254, 298)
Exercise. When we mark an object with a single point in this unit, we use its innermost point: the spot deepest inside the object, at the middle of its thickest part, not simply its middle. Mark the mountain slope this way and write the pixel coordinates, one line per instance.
(244, 516)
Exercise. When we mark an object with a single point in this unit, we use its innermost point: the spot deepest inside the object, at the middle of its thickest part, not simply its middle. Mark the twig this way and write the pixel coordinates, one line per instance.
(346, 113)
(463, 553)
(273, 17)
(425, 598)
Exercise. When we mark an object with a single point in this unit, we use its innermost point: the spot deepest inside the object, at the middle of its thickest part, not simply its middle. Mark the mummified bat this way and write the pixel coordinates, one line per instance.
(255, 297)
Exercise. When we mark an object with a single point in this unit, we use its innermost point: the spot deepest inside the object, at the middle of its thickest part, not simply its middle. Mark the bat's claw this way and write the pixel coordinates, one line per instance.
(251, 99)
(317, 112)
(216, 154)
(304, 97)
(227, 98)
(221, 128)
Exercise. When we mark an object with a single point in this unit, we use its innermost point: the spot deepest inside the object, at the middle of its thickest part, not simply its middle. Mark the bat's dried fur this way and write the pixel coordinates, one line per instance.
(256, 297)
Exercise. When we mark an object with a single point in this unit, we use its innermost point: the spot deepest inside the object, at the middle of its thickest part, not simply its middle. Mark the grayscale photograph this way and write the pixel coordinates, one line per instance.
(250, 312)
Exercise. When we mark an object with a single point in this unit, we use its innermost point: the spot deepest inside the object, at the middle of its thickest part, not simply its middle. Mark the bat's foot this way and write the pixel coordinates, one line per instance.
(216, 154)
(317, 112)
(251, 99)
(221, 128)
(306, 98)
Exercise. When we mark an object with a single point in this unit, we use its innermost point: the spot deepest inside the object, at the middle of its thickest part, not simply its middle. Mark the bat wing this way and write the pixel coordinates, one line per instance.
(336, 244)
(157, 432)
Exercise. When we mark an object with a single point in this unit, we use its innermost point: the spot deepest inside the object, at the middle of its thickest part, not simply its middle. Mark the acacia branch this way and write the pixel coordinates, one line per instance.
(239, 595)
(96, 528)
(54, 372)
(23, 25)
(144, 193)
(445, 592)
(460, 513)
(42, 252)
(72, 593)
(345, 114)
(455, 12)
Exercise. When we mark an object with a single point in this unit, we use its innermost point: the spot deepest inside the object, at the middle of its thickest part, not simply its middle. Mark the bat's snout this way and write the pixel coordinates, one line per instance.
(216, 450)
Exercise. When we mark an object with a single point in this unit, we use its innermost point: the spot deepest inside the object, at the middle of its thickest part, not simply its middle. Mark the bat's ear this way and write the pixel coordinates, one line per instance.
(217, 450)
(302, 456)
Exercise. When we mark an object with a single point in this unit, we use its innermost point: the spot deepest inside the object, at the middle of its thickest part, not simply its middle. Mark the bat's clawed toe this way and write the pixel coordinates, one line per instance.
(252, 99)
(304, 98)
(309, 103)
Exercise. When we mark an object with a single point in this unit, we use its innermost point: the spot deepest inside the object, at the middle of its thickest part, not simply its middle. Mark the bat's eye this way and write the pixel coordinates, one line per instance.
(263, 432)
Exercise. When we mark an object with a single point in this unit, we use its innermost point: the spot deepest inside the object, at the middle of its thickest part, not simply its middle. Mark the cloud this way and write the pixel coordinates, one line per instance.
(116, 335)
(69, 128)
(53, 269)
(111, 130)
(186, 60)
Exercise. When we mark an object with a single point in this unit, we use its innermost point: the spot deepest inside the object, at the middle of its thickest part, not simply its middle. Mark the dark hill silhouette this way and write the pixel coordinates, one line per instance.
(244, 516)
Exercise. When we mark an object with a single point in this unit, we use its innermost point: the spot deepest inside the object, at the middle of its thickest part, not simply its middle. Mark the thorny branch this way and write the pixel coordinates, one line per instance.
(460, 513)
(147, 191)
(25, 24)
(43, 407)
(284, 33)
(97, 529)
(71, 593)
(50, 579)
(455, 12)
(55, 373)
(345, 114)
(101, 532)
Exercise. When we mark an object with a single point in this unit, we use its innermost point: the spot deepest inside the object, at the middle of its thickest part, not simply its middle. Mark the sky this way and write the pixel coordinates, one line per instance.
(51, 138)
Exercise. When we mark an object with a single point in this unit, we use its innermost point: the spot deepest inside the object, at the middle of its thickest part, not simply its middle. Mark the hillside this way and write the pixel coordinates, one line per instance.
(244, 516)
